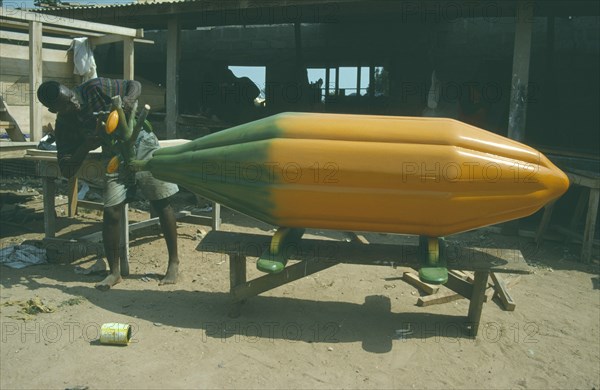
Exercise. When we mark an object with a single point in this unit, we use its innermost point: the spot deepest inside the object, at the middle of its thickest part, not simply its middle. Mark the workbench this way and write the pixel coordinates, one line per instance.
(315, 255)
(590, 182)
(92, 169)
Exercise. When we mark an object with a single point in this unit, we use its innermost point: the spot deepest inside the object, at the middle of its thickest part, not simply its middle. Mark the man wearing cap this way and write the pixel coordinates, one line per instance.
(76, 135)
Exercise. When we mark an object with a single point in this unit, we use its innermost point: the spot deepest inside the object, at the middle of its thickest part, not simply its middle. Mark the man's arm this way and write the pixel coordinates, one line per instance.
(72, 148)
(132, 93)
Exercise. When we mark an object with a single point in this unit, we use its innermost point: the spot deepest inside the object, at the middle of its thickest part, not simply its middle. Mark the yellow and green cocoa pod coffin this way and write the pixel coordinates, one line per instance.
(426, 176)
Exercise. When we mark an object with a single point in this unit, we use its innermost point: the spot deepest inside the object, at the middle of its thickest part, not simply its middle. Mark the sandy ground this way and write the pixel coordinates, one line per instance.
(334, 329)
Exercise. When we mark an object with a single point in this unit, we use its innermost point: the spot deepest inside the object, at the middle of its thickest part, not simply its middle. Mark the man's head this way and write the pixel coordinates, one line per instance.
(57, 97)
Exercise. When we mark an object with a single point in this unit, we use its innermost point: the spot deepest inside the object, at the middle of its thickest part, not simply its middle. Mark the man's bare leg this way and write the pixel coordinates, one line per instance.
(111, 236)
(166, 215)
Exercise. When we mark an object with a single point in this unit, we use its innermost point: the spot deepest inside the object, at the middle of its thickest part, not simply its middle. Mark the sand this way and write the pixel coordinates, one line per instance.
(339, 328)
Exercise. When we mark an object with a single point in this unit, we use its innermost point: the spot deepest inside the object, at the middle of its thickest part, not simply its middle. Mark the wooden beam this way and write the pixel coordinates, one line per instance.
(440, 297)
(520, 75)
(328, 251)
(112, 38)
(35, 79)
(590, 225)
(14, 14)
(476, 304)
(172, 77)
(459, 286)
(270, 281)
(17, 36)
(51, 29)
(502, 292)
(414, 280)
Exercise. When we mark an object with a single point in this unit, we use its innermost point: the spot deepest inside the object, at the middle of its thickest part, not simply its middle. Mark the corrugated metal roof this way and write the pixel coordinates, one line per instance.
(97, 6)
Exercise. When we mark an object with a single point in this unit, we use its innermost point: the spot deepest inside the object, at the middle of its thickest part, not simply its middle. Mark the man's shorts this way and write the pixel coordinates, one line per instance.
(117, 184)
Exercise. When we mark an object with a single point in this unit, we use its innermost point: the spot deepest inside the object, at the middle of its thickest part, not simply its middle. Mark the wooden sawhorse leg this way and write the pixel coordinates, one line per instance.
(124, 245)
(237, 277)
(477, 299)
(49, 190)
(590, 225)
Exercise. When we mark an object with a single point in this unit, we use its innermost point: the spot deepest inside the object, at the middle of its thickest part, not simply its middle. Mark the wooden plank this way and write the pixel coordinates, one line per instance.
(414, 280)
(584, 179)
(459, 274)
(17, 36)
(459, 286)
(35, 79)
(20, 15)
(476, 303)
(489, 293)
(197, 220)
(16, 93)
(52, 29)
(23, 52)
(90, 205)
(359, 238)
(460, 257)
(113, 38)
(440, 297)
(590, 225)
(9, 123)
(173, 52)
(502, 292)
(576, 237)
(271, 281)
(10, 151)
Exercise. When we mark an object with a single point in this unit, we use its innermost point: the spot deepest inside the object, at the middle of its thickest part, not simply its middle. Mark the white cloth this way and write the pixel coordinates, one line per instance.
(21, 256)
(83, 59)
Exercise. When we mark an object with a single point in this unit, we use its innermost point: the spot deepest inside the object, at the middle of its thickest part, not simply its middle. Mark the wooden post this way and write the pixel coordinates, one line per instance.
(358, 76)
(128, 59)
(477, 298)
(327, 81)
(520, 74)
(35, 79)
(517, 117)
(72, 195)
(590, 225)
(237, 276)
(216, 216)
(124, 246)
(371, 81)
(172, 77)
(49, 190)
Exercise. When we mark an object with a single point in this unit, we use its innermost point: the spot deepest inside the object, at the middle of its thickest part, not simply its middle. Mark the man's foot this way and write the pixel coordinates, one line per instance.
(171, 276)
(108, 282)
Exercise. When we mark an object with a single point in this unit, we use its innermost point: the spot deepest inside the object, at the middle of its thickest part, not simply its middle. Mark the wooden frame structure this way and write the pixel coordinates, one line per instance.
(43, 29)
(315, 255)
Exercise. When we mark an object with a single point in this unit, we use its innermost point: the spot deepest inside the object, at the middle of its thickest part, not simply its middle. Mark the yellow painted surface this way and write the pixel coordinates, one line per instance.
(429, 176)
